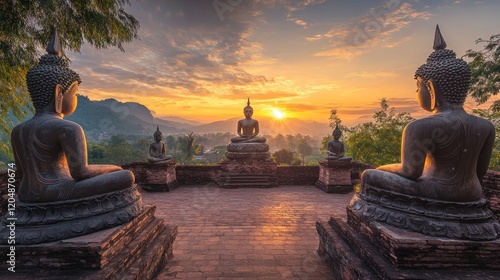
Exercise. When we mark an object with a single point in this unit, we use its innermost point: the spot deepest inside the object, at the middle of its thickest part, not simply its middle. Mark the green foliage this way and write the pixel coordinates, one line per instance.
(304, 149)
(26, 27)
(485, 66)
(283, 156)
(189, 147)
(379, 142)
(493, 114)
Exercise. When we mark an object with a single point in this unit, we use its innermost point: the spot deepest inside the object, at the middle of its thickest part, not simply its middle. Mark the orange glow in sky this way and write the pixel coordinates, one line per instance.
(293, 59)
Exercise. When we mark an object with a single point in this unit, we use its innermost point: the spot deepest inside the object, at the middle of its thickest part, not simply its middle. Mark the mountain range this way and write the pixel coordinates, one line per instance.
(113, 117)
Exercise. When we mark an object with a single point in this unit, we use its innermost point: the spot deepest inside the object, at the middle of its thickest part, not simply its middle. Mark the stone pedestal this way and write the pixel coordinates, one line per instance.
(158, 176)
(376, 251)
(390, 235)
(335, 176)
(136, 250)
(248, 174)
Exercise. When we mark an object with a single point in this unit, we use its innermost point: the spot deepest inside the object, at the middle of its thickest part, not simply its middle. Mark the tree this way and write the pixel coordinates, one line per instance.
(493, 114)
(304, 149)
(485, 67)
(379, 142)
(188, 146)
(25, 28)
(283, 156)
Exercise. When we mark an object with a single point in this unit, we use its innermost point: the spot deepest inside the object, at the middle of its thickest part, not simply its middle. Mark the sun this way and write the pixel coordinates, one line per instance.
(278, 114)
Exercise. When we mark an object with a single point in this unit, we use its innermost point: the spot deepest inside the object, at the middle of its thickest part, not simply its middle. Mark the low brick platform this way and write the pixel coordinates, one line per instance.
(160, 176)
(136, 250)
(335, 176)
(384, 252)
(246, 233)
(248, 174)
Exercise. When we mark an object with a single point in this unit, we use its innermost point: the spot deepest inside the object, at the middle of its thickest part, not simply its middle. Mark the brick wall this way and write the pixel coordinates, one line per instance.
(297, 175)
(491, 190)
(197, 174)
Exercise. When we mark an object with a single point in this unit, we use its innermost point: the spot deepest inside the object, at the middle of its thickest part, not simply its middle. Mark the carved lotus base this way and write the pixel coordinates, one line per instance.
(248, 151)
(52, 221)
(456, 220)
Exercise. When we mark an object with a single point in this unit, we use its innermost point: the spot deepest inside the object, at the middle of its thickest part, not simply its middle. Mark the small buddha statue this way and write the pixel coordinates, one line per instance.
(248, 128)
(444, 155)
(158, 149)
(335, 148)
(50, 152)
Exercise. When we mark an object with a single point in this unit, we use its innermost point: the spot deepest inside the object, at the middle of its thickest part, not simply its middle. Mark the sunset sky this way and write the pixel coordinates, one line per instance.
(200, 60)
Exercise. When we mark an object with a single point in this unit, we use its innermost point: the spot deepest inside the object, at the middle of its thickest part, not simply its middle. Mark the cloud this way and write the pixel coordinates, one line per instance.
(376, 27)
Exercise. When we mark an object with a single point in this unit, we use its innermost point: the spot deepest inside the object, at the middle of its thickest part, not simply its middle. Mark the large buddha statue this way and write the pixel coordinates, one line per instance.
(158, 149)
(51, 156)
(335, 148)
(248, 146)
(443, 158)
(248, 128)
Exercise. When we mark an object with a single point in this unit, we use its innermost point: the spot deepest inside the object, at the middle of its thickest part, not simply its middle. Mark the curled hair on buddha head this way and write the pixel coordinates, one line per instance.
(51, 70)
(451, 74)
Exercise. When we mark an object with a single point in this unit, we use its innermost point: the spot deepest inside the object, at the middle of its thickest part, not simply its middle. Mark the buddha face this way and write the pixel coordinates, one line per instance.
(70, 100)
(248, 112)
(158, 137)
(336, 134)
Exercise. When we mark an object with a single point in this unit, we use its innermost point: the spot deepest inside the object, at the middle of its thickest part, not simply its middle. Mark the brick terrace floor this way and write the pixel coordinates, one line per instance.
(246, 233)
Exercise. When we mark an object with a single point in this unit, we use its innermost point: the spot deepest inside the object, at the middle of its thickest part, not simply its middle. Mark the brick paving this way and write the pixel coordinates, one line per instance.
(246, 233)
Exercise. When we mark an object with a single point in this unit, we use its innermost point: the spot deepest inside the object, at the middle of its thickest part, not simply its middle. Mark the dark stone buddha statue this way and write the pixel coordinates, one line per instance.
(248, 128)
(248, 146)
(335, 148)
(436, 188)
(158, 149)
(51, 157)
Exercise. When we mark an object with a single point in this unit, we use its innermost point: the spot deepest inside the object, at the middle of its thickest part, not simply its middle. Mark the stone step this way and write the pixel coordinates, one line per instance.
(133, 251)
(136, 250)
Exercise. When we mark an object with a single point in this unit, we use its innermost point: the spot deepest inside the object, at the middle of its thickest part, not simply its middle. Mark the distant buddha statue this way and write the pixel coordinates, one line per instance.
(51, 157)
(248, 128)
(248, 146)
(445, 155)
(335, 148)
(158, 149)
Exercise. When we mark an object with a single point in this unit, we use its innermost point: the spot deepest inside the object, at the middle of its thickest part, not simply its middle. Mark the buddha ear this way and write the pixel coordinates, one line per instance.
(58, 98)
(432, 92)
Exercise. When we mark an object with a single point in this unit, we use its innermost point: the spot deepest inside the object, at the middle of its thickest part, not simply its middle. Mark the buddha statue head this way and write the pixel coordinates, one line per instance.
(158, 136)
(248, 110)
(53, 81)
(337, 133)
(444, 78)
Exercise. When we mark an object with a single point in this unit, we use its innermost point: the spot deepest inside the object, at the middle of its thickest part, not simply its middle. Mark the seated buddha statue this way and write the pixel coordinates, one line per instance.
(436, 189)
(60, 195)
(444, 155)
(335, 148)
(158, 149)
(248, 128)
(248, 146)
(51, 152)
